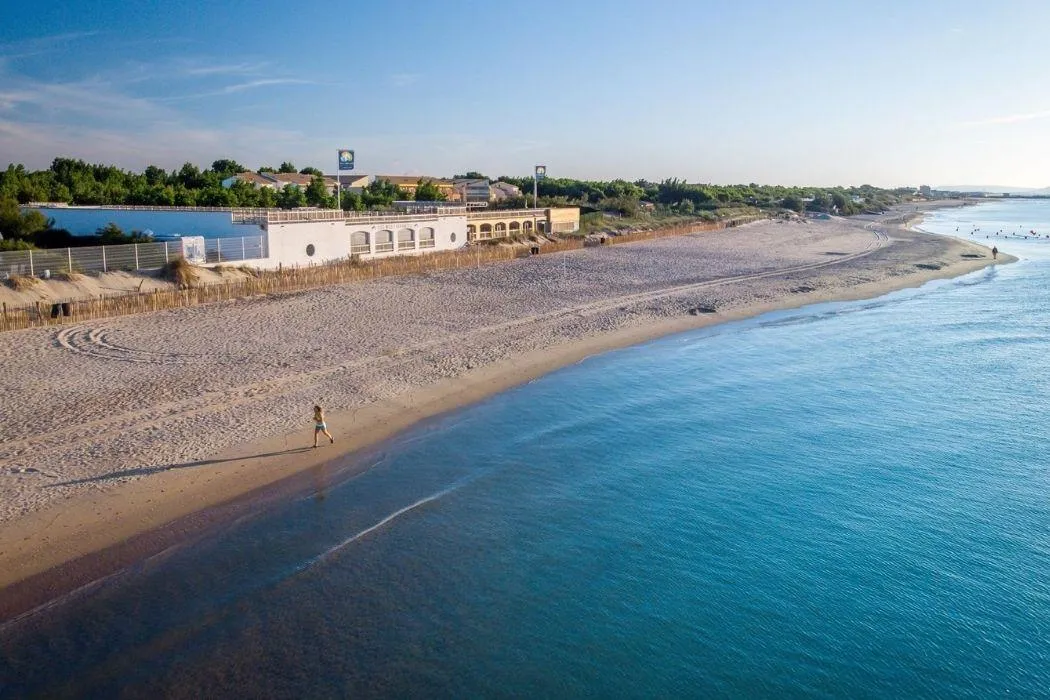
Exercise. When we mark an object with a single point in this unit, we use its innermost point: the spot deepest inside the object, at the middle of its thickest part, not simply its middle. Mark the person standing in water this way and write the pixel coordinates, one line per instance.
(995, 252)
(320, 426)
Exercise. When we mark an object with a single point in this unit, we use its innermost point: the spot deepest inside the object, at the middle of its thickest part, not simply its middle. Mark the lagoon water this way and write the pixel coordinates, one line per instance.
(848, 500)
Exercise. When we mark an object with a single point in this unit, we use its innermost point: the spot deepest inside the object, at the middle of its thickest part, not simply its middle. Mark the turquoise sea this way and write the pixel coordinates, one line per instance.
(848, 500)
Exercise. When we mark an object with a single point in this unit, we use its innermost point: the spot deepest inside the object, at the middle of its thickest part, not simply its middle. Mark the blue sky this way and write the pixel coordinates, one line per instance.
(804, 92)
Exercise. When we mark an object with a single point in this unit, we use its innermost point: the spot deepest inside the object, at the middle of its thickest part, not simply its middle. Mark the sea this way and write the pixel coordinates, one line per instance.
(847, 500)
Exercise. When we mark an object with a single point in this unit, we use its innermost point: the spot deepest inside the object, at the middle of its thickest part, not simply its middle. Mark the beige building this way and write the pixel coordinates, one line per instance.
(409, 184)
(495, 224)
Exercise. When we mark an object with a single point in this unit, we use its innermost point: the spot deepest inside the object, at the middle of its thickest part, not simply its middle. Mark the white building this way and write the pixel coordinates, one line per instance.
(473, 191)
(504, 190)
(305, 237)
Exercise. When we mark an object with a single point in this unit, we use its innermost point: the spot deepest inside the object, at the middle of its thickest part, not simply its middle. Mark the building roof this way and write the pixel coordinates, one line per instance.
(293, 179)
(260, 179)
(413, 179)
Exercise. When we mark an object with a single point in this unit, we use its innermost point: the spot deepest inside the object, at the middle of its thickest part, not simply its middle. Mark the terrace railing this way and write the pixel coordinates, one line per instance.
(129, 257)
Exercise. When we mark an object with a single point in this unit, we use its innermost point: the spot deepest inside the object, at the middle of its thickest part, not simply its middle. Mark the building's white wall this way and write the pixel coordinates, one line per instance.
(331, 239)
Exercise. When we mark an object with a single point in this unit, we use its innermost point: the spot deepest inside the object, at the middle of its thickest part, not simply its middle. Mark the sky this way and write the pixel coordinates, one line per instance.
(808, 92)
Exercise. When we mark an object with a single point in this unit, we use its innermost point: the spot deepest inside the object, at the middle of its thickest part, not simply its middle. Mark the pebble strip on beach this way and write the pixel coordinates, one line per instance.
(86, 406)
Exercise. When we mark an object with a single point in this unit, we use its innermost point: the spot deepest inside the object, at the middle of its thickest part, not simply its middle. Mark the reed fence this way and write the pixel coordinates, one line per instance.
(47, 313)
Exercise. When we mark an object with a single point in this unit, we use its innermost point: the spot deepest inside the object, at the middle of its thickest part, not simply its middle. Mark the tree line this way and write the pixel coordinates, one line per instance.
(677, 196)
(77, 182)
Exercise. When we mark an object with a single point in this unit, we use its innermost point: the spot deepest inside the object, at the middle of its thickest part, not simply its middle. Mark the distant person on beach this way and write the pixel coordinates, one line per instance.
(320, 426)
(995, 252)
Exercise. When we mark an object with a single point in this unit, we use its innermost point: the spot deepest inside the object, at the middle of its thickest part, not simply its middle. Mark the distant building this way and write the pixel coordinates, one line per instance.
(278, 181)
(473, 191)
(355, 183)
(409, 184)
(503, 190)
(925, 191)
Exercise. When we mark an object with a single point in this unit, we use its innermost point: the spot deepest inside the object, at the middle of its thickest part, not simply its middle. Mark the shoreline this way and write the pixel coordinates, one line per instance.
(60, 547)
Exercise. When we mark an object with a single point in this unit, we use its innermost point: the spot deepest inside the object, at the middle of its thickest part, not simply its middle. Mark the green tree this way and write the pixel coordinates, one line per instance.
(110, 234)
(267, 197)
(155, 175)
(286, 167)
(291, 197)
(225, 167)
(310, 171)
(427, 191)
(792, 202)
(351, 201)
(471, 175)
(185, 197)
(382, 193)
(266, 169)
(216, 196)
(190, 177)
(317, 192)
(16, 224)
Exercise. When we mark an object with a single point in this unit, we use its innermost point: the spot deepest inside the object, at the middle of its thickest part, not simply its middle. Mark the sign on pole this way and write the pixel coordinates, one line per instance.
(541, 172)
(346, 159)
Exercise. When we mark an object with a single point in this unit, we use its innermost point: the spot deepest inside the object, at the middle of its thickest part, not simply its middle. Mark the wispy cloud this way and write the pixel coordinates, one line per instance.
(400, 80)
(230, 69)
(41, 44)
(239, 87)
(1008, 119)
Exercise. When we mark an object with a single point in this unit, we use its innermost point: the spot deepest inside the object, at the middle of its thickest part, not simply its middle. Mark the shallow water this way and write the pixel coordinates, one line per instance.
(847, 500)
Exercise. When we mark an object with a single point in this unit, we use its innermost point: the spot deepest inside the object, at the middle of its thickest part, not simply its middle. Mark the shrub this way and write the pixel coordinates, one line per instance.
(181, 273)
(20, 283)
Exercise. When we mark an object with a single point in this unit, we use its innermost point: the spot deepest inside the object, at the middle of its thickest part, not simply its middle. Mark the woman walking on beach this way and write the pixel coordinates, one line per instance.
(320, 426)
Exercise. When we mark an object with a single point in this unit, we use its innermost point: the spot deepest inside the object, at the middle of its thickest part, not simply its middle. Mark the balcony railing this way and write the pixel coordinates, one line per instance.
(384, 247)
(285, 216)
(360, 249)
(508, 214)
(426, 243)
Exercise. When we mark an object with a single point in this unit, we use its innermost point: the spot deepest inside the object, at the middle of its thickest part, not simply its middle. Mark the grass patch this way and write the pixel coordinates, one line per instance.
(181, 273)
(20, 283)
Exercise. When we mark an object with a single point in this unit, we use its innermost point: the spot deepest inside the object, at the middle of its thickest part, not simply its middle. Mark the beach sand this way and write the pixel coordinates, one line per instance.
(121, 436)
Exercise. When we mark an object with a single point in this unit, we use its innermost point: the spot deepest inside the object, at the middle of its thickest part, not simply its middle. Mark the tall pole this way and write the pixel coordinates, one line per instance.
(338, 189)
(535, 188)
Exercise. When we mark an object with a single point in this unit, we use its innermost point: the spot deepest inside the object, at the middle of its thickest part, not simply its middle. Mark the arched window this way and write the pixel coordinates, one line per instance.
(426, 237)
(406, 239)
(515, 226)
(486, 231)
(359, 244)
(527, 226)
(501, 229)
(384, 241)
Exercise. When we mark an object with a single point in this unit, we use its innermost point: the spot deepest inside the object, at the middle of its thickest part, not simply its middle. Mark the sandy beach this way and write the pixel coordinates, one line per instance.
(118, 428)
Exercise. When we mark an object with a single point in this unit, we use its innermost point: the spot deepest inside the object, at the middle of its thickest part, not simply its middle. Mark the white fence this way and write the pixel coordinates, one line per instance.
(129, 257)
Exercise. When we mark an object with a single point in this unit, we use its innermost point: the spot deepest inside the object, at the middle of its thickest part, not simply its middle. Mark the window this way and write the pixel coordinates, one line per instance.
(426, 237)
(406, 239)
(384, 241)
(359, 243)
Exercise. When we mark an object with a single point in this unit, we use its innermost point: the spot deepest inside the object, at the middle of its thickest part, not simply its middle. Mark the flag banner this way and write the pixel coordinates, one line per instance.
(346, 159)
